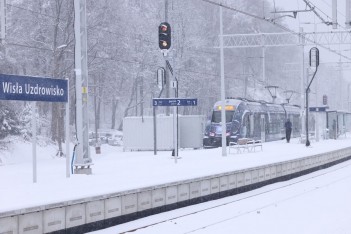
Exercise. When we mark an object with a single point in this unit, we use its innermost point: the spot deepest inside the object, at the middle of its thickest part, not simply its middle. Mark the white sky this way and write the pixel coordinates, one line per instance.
(115, 170)
(311, 23)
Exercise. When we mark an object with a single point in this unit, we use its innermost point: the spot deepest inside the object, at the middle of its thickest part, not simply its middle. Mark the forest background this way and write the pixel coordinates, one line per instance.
(123, 57)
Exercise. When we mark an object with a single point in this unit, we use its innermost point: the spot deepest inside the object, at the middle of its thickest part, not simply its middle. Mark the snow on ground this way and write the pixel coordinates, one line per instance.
(115, 170)
(318, 203)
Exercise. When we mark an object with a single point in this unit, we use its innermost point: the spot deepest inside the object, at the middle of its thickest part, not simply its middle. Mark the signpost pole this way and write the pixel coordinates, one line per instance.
(67, 134)
(38, 89)
(34, 142)
(175, 133)
(175, 102)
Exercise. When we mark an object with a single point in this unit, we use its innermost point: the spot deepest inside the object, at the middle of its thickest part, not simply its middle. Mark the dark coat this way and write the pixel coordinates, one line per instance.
(288, 124)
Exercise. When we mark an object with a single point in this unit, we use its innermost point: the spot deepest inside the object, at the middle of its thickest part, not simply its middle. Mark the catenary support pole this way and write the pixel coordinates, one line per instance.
(224, 129)
(83, 160)
(302, 75)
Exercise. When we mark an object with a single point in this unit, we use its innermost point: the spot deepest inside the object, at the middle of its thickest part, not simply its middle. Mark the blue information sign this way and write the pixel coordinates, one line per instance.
(318, 109)
(28, 88)
(174, 102)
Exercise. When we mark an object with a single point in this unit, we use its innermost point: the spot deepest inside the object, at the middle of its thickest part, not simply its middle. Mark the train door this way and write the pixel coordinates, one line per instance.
(263, 128)
(252, 126)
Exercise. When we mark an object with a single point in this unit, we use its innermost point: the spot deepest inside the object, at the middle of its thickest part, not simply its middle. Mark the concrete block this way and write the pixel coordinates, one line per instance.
(144, 200)
(113, 207)
(267, 173)
(232, 181)
(195, 189)
(240, 179)
(284, 169)
(294, 166)
(247, 177)
(129, 203)
(95, 211)
(279, 170)
(261, 174)
(158, 197)
(9, 225)
(54, 219)
(205, 187)
(223, 183)
(171, 195)
(75, 215)
(289, 168)
(304, 164)
(254, 176)
(31, 223)
(214, 185)
(183, 192)
(273, 172)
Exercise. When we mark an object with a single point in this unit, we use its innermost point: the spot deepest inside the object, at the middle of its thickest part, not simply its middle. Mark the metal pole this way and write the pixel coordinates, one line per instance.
(307, 137)
(155, 137)
(83, 158)
(67, 134)
(316, 115)
(302, 79)
(175, 133)
(3, 20)
(224, 129)
(167, 78)
(307, 92)
(263, 63)
(34, 142)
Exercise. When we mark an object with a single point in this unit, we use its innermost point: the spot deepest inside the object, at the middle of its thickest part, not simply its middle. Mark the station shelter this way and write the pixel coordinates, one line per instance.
(338, 123)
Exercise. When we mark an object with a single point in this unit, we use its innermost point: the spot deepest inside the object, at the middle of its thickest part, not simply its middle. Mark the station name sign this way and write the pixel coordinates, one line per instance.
(28, 88)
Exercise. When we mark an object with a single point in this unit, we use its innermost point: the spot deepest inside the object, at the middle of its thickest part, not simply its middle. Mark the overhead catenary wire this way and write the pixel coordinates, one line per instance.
(328, 23)
(277, 25)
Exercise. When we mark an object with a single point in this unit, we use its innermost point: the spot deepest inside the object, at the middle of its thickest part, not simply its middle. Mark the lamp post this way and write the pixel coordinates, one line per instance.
(314, 63)
(288, 95)
(272, 89)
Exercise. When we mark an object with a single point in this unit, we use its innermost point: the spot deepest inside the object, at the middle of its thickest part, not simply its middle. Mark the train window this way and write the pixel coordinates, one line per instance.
(216, 116)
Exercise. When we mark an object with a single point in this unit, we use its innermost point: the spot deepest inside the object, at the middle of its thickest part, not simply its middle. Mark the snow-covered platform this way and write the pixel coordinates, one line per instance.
(128, 185)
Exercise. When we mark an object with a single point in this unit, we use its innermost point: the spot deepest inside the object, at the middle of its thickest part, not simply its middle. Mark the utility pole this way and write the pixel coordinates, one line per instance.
(167, 78)
(2, 20)
(83, 160)
(224, 126)
(302, 84)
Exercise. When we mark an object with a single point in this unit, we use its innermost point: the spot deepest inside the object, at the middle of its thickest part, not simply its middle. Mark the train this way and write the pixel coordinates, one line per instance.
(246, 118)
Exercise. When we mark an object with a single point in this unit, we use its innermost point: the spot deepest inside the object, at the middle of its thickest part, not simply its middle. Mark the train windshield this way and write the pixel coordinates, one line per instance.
(216, 116)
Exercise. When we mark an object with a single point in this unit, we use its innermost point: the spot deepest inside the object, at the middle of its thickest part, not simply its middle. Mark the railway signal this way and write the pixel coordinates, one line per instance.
(314, 63)
(164, 36)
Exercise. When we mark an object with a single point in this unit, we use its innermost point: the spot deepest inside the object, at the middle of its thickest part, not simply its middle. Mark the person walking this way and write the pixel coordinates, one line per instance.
(288, 128)
(334, 129)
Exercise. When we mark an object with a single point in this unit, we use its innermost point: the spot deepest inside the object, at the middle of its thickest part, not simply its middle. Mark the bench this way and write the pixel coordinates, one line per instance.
(311, 137)
(245, 144)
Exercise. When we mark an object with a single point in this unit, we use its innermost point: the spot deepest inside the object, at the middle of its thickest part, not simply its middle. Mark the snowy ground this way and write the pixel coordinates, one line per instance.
(115, 170)
(318, 203)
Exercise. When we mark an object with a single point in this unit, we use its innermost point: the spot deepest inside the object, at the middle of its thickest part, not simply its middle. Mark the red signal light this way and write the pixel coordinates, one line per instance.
(164, 36)
(164, 28)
